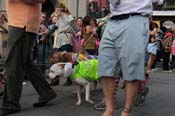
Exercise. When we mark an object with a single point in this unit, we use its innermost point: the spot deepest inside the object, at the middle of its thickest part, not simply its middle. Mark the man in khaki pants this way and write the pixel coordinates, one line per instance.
(23, 17)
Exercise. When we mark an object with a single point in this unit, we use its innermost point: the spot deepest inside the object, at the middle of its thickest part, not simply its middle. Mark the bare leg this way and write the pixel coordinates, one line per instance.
(84, 83)
(108, 91)
(87, 94)
(150, 62)
(131, 89)
(78, 95)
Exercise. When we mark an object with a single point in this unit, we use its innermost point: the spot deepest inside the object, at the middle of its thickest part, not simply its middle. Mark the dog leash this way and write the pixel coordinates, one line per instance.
(4, 29)
(82, 48)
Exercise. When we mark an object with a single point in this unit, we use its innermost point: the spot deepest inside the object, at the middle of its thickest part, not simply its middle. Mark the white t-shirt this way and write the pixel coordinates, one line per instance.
(144, 7)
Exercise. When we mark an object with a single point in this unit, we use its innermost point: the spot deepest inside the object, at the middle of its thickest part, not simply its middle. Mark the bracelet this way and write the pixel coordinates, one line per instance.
(127, 110)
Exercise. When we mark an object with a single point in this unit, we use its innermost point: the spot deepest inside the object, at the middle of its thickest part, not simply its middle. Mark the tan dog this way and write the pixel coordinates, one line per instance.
(61, 57)
(68, 57)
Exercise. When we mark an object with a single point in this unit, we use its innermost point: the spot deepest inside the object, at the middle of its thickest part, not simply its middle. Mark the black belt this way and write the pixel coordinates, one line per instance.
(124, 16)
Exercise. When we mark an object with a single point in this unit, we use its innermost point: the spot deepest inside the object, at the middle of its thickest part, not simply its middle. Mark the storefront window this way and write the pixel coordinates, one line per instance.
(167, 5)
(98, 9)
(170, 2)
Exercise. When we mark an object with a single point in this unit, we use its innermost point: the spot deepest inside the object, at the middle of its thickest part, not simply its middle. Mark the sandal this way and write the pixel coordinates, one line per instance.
(100, 106)
(141, 97)
(126, 112)
(148, 72)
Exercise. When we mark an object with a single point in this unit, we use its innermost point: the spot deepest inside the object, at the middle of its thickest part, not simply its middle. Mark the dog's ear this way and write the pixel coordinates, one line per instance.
(54, 58)
(67, 56)
(51, 60)
(61, 65)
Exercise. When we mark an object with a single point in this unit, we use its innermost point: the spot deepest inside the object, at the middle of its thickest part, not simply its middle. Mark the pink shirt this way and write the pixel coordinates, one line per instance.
(173, 48)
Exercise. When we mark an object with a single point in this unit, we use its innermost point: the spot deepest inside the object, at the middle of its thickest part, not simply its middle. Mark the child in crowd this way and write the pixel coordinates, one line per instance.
(173, 55)
(151, 51)
(90, 41)
(141, 97)
(101, 105)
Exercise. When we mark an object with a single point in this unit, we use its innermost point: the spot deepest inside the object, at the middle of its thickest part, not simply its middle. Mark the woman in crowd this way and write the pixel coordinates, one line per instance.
(63, 40)
(167, 43)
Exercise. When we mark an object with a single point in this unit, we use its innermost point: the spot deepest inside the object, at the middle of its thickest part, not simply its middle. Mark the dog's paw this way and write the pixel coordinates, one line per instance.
(78, 103)
(90, 101)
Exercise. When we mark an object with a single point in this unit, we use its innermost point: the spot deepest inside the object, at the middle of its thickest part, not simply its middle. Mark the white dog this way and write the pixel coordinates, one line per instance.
(83, 73)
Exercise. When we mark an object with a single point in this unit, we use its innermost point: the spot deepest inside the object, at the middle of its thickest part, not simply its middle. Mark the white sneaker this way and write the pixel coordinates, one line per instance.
(168, 71)
(24, 83)
(155, 69)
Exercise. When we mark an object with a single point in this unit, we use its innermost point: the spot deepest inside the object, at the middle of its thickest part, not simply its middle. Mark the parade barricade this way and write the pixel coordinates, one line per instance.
(3, 48)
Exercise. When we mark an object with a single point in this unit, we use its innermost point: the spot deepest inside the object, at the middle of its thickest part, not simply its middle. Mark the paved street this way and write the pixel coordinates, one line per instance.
(160, 100)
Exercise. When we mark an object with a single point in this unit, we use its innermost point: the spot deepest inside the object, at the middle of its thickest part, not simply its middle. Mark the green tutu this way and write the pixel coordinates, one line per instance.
(86, 69)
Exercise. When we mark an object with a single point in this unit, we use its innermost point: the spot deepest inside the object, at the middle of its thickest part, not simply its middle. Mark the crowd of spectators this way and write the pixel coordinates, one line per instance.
(72, 33)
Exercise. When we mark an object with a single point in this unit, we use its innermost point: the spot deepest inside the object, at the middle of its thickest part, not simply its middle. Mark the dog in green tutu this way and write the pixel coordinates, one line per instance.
(83, 73)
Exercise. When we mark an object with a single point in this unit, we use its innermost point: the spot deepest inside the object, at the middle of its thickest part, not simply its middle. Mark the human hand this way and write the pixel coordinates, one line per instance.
(42, 38)
(100, 24)
(78, 33)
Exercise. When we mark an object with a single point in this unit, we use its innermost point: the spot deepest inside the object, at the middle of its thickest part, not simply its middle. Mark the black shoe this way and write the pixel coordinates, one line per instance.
(6, 112)
(141, 97)
(1, 93)
(42, 102)
(102, 107)
(68, 83)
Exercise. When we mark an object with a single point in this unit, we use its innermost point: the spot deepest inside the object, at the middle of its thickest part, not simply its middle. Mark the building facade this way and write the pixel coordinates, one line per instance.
(98, 8)
(2, 5)
(100, 3)
(78, 8)
(164, 15)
